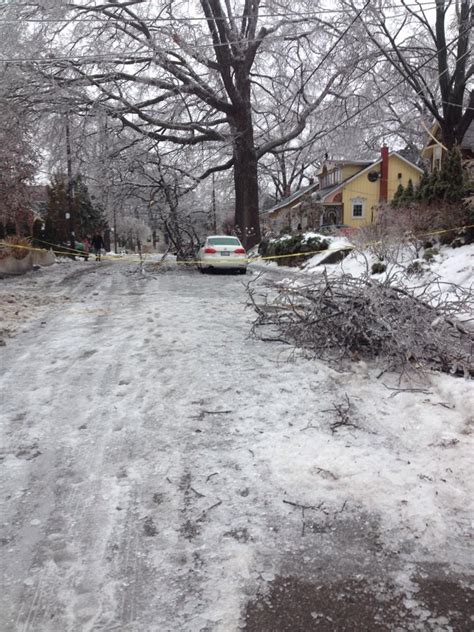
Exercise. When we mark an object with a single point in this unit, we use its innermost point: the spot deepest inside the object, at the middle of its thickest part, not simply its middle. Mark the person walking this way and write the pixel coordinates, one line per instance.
(97, 244)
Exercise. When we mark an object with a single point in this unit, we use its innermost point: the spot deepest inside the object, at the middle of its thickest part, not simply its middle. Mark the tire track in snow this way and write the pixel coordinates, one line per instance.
(41, 605)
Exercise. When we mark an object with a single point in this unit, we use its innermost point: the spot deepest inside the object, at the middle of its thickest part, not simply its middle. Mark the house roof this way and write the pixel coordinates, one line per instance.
(332, 163)
(292, 198)
(434, 137)
(324, 193)
(468, 139)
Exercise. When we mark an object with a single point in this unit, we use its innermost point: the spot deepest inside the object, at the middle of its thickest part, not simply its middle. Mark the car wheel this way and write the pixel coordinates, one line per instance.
(243, 271)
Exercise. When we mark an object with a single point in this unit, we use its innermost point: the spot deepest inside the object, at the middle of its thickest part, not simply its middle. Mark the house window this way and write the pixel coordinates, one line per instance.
(357, 208)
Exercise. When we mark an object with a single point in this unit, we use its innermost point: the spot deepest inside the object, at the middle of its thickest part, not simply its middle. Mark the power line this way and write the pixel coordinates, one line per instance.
(428, 6)
(118, 56)
(129, 56)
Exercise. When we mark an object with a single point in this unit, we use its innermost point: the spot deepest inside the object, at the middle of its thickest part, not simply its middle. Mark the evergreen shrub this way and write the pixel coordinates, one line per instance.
(294, 245)
(430, 254)
(378, 267)
(415, 268)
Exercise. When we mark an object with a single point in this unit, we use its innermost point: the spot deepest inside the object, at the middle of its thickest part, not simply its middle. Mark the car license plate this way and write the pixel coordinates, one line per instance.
(225, 254)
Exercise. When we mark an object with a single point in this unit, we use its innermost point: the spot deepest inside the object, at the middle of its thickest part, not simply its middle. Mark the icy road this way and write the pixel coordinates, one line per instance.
(163, 471)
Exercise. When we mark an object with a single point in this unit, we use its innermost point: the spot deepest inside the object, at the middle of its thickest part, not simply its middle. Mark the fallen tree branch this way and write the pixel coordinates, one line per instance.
(344, 317)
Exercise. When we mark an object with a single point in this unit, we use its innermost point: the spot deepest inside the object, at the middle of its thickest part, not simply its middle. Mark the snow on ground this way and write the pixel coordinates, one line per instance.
(18, 307)
(161, 470)
(451, 265)
(455, 265)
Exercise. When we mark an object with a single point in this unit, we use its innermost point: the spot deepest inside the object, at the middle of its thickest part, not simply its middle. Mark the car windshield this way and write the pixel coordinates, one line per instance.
(223, 241)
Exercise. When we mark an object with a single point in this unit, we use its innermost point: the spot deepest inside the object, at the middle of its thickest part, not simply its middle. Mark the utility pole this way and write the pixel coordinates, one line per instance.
(115, 230)
(214, 214)
(69, 214)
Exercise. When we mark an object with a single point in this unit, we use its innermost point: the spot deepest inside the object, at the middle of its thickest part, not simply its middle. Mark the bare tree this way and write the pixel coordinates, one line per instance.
(289, 171)
(433, 56)
(19, 156)
(193, 80)
(18, 165)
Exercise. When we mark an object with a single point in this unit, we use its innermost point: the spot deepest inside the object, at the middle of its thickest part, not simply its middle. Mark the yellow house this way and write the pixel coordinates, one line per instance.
(351, 190)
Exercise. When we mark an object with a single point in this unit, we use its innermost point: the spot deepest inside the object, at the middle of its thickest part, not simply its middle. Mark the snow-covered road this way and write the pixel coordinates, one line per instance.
(162, 471)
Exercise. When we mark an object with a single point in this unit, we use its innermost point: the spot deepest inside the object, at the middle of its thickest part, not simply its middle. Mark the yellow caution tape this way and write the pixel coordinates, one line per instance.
(133, 257)
(315, 252)
(270, 257)
(76, 253)
(72, 250)
(58, 252)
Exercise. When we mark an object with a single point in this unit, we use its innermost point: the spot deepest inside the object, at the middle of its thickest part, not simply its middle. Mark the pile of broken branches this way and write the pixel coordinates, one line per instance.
(358, 318)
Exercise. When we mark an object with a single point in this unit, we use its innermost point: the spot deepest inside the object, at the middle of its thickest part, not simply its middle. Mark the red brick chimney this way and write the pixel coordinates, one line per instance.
(384, 174)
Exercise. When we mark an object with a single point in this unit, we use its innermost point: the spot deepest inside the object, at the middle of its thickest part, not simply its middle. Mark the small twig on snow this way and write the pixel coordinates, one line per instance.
(309, 427)
(342, 410)
(206, 511)
(342, 508)
(197, 493)
(203, 413)
(443, 404)
(397, 391)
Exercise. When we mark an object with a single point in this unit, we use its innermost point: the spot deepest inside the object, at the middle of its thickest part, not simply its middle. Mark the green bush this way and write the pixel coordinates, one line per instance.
(415, 268)
(295, 245)
(378, 267)
(430, 254)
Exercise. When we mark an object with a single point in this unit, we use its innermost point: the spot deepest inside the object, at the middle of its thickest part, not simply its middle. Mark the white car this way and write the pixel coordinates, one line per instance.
(222, 252)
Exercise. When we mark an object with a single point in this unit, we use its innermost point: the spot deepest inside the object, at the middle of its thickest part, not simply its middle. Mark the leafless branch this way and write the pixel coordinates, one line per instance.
(359, 318)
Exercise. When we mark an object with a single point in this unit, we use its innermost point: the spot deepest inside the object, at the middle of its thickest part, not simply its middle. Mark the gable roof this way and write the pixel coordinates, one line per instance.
(292, 198)
(329, 164)
(468, 138)
(330, 190)
(434, 137)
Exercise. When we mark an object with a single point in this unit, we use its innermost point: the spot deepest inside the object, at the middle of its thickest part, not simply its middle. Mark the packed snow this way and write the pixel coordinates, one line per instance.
(161, 469)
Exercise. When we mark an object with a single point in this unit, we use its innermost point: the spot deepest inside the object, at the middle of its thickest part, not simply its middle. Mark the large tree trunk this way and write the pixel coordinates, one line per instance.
(448, 133)
(246, 187)
(245, 167)
(454, 83)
